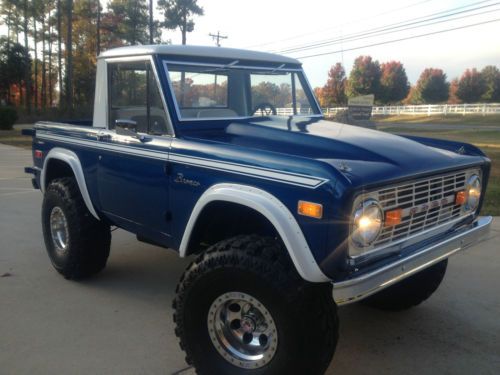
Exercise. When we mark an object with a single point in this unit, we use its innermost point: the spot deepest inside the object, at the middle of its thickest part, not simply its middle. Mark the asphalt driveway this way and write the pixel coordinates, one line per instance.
(120, 322)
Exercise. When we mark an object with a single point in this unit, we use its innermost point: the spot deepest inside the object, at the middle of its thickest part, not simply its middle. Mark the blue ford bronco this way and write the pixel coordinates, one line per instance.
(224, 156)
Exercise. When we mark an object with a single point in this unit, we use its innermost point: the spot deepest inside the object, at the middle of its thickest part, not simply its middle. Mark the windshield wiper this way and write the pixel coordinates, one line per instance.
(277, 68)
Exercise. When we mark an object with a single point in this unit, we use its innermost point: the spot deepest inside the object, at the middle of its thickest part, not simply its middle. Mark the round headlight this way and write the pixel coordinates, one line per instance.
(367, 222)
(473, 191)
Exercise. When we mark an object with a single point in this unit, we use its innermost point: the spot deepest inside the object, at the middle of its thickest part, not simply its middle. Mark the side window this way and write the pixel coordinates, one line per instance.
(303, 104)
(134, 96)
(274, 89)
(199, 90)
(203, 92)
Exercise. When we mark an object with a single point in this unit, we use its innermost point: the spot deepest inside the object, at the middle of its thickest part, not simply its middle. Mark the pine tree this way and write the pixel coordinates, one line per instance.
(179, 14)
(130, 21)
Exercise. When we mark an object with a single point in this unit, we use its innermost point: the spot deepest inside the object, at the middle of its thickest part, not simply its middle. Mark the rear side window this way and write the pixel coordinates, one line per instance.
(134, 96)
(128, 85)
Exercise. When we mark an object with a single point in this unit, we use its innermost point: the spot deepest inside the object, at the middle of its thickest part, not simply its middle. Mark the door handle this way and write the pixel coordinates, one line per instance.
(144, 138)
(103, 136)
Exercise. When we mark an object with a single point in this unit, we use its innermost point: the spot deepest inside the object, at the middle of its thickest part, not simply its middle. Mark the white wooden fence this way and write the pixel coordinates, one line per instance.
(307, 111)
(425, 109)
(439, 109)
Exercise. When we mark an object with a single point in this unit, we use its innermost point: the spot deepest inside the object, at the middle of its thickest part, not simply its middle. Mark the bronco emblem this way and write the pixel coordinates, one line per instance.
(180, 179)
(427, 206)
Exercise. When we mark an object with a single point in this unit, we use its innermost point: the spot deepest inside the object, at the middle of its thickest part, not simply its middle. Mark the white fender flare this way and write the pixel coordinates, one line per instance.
(70, 158)
(271, 208)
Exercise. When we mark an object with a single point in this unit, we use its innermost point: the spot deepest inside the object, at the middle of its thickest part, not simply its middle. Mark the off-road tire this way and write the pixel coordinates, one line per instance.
(305, 313)
(89, 239)
(409, 292)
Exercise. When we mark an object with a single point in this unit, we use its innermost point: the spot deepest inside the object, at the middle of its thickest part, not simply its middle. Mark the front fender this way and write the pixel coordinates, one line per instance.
(277, 214)
(454, 146)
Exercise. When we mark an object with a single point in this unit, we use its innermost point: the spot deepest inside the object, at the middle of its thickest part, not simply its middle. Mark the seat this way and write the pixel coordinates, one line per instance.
(216, 113)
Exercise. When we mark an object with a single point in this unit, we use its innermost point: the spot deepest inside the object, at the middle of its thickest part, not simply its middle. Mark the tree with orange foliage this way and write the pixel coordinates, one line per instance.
(333, 93)
(432, 87)
(491, 76)
(364, 78)
(394, 85)
(471, 86)
(454, 99)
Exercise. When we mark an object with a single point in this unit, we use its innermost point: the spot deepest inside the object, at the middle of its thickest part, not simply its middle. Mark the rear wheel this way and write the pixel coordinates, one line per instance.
(411, 291)
(241, 308)
(78, 245)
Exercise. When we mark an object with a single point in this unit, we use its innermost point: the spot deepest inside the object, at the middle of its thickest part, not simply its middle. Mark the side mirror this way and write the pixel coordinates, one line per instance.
(129, 128)
(126, 127)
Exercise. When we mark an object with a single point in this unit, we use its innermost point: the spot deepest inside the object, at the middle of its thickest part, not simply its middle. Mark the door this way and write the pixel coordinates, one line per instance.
(132, 175)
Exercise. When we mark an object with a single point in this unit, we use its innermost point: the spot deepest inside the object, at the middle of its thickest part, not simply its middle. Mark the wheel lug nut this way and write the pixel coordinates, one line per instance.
(247, 338)
(263, 340)
(235, 324)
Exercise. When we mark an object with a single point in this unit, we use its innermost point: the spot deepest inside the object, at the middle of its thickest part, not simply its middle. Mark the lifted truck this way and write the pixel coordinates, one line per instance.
(286, 217)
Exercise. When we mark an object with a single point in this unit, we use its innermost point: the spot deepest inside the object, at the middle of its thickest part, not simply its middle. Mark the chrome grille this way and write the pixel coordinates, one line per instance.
(425, 203)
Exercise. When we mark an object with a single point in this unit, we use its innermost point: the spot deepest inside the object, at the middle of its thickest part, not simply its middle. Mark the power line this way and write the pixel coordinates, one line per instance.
(382, 30)
(400, 39)
(297, 36)
(391, 29)
(394, 26)
(217, 37)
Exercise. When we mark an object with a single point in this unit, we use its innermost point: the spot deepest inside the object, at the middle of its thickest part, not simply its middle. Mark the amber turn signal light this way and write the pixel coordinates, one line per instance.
(310, 209)
(393, 217)
(461, 198)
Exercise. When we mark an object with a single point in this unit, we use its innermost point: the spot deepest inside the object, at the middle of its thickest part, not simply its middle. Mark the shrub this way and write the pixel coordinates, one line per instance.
(340, 116)
(8, 117)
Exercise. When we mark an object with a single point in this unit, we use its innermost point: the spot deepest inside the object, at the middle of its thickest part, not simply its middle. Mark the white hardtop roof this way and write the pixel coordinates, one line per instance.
(198, 51)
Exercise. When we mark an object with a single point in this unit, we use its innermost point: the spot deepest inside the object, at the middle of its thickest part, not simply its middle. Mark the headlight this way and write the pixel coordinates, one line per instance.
(367, 222)
(473, 192)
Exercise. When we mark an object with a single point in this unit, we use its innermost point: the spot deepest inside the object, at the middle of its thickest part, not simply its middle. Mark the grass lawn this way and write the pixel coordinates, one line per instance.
(14, 138)
(440, 119)
(487, 140)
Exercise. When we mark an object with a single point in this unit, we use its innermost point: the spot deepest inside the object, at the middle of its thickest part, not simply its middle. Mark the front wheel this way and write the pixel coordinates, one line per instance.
(241, 308)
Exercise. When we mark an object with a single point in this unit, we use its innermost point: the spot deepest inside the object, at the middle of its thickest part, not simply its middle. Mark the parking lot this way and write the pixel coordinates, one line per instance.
(120, 322)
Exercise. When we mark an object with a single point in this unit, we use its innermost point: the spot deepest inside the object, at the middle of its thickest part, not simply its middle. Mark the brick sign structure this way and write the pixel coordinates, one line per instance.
(360, 107)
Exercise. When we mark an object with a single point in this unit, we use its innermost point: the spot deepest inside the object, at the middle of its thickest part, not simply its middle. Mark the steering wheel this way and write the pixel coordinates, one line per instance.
(266, 109)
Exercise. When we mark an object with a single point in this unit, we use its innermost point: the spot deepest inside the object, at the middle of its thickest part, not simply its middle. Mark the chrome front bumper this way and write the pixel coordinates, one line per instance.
(355, 289)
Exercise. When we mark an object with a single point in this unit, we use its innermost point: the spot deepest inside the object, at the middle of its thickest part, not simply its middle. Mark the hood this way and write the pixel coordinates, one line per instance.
(362, 155)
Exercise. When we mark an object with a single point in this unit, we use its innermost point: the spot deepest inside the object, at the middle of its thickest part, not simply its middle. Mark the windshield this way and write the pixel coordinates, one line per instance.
(203, 92)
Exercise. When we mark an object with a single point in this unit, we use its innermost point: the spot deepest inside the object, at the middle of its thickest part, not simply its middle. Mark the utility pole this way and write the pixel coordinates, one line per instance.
(150, 21)
(98, 31)
(69, 57)
(217, 37)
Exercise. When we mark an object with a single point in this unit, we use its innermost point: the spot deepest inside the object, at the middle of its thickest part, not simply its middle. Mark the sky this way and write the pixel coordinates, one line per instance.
(277, 25)
(266, 25)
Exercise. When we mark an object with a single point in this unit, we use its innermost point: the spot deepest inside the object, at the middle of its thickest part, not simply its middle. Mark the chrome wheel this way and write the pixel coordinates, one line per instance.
(242, 330)
(59, 230)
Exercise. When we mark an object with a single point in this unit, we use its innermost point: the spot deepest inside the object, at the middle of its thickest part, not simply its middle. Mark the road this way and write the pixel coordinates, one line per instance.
(120, 322)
